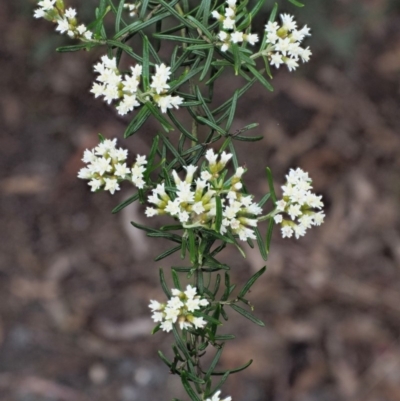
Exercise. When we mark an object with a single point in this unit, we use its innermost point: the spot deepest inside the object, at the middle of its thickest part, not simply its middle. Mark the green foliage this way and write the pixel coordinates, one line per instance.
(197, 62)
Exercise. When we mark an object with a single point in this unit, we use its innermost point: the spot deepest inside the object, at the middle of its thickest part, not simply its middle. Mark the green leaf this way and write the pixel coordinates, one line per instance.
(236, 57)
(217, 284)
(175, 279)
(261, 245)
(234, 156)
(155, 329)
(145, 66)
(250, 282)
(164, 285)
(192, 394)
(192, 247)
(137, 122)
(218, 217)
(173, 150)
(143, 8)
(119, 15)
(170, 236)
(167, 253)
(219, 384)
(212, 125)
(273, 13)
(181, 345)
(125, 203)
(180, 127)
(157, 114)
(247, 315)
(177, 38)
(151, 156)
(224, 337)
(271, 185)
(164, 359)
(139, 25)
(207, 64)
(264, 200)
(201, 27)
(297, 3)
(269, 234)
(75, 48)
(247, 138)
(260, 78)
(173, 12)
(185, 77)
(239, 369)
(214, 363)
(204, 11)
(232, 111)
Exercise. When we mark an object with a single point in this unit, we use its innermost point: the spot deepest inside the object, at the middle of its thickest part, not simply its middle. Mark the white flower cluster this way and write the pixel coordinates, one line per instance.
(193, 202)
(284, 42)
(298, 202)
(53, 10)
(228, 24)
(106, 167)
(132, 9)
(113, 85)
(179, 309)
(215, 397)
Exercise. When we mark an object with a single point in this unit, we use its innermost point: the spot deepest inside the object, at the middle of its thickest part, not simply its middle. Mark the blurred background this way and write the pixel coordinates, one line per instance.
(76, 280)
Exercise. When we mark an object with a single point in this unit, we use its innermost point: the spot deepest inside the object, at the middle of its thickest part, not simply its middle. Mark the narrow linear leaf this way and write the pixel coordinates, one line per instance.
(261, 78)
(251, 281)
(234, 370)
(297, 3)
(271, 225)
(171, 237)
(261, 244)
(232, 111)
(207, 64)
(213, 363)
(191, 393)
(164, 359)
(119, 15)
(212, 125)
(75, 48)
(271, 185)
(180, 343)
(264, 200)
(164, 285)
(137, 122)
(125, 203)
(167, 253)
(224, 337)
(175, 279)
(247, 138)
(247, 315)
(218, 217)
(220, 383)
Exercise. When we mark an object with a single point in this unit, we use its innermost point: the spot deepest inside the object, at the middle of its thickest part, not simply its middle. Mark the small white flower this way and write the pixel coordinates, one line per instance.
(288, 22)
(63, 25)
(151, 211)
(237, 37)
(111, 184)
(287, 232)
(121, 170)
(47, 4)
(215, 14)
(228, 23)
(276, 60)
(278, 218)
(70, 13)
(251, 38)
